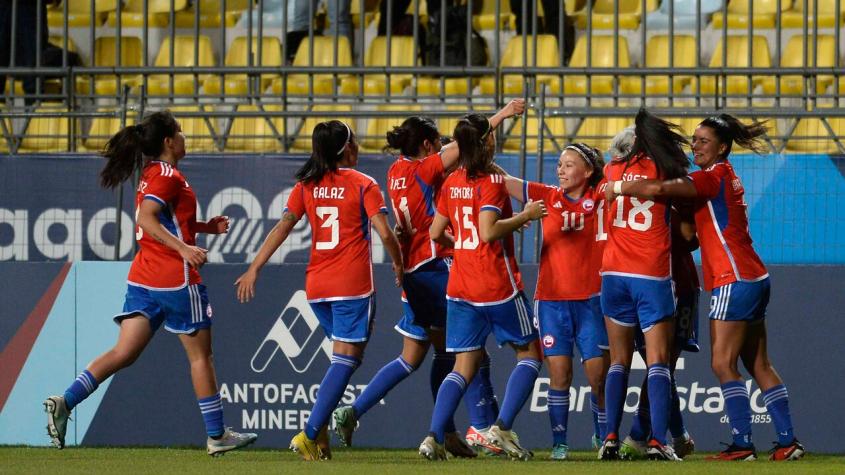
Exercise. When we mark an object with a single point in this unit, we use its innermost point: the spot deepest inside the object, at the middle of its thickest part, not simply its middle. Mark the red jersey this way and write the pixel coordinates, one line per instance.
(413, 186)
(721, 219)
(639, 238)
(156, 266)
(339, 207)
(568, 270)
(482, 273)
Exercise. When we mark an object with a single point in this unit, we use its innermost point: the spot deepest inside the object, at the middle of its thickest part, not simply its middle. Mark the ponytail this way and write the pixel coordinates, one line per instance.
(660, 141)
(729, 130)
(328, 142)
(475, 155)
(126, 150)
(408, 138)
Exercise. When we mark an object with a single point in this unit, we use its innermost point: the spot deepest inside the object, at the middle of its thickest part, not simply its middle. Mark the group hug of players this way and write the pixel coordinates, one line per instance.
(616, 275)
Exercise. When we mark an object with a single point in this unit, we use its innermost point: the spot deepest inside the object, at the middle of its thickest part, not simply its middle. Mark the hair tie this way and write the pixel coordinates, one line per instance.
(348, 138)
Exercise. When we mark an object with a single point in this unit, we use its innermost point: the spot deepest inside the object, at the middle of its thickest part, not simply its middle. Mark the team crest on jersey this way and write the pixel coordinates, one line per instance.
(588, 205)
(548, 341)
(208, 310)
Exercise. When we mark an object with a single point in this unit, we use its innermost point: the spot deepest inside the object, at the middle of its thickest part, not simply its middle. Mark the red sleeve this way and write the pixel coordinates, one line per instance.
(442, 205)
(162, 188)
(707, 182)
(373, 200)
(296, 201)
(431, 169)
(537, 191)
(494, 194)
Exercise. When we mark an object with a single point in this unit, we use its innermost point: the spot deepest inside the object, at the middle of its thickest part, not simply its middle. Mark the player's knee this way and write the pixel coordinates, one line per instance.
(723, 367)
(561, 379)
(596, 383)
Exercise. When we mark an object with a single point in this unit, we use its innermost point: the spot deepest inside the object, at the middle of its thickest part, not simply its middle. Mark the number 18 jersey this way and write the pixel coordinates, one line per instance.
(339, 207)
(482, 273)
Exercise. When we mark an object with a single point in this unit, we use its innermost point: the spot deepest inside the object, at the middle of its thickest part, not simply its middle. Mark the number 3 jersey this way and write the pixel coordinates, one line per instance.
(156, 266)
(639, 235)
(339, 207)
(482, 273)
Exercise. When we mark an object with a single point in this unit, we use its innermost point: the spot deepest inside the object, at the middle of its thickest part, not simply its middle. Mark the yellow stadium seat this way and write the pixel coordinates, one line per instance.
(765, 12)
(324, 55)
(102, 129)
(105, 55)
(556, 129)
(378, 127)
(302, 141)
(238, 55)
(446, 125)
(604, 11)
(602, 53)
(158, 13)
(737, 57)
(199, 132)
(159, 84)
(79, 13)
(210, 13)
(657, 56)
(486, 19)
(547, 56)
(599, 131)
(254, 134)
(46, 134)
(423, 15)
(793, 57)
(403, 52)
(430, 86)
(811, 136)
(370, 9)
(827, 15)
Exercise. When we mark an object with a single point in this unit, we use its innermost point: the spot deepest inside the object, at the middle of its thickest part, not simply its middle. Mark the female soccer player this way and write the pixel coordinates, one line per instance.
(636, 284)
(484, 291)
(736, 277)
(164, 284)
(414, 181)
(337, 200)
(568, 286)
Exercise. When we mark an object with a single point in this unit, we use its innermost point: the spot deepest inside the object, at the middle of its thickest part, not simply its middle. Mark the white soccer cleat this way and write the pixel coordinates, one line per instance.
(658, 451)
(508, 443)
(430, 449)
(57, 417)
(230, 440)
(478, 439)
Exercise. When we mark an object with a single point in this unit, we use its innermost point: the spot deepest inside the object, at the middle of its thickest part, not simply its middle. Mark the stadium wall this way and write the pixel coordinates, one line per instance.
(271, 355)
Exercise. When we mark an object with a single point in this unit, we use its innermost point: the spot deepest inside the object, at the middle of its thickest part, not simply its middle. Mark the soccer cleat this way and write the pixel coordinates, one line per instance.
(596, 442)
(323, 445)
(480, 440)
(610, 448)
(431, 450)
(735, 452)
(305, 447)
(230, 440)
(560, 452)
(345, 424)
(456, 446)
(683, 445)
(658, 451)
(793, 451)
(505, 440)
(632, 449)
(57, 417)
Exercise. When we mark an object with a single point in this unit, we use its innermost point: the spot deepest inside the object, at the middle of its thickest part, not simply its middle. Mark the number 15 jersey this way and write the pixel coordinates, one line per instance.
(482, 273)
(339, 207)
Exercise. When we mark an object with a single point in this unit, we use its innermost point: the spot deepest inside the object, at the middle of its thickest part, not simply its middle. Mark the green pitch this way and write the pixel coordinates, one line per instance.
(360, 461)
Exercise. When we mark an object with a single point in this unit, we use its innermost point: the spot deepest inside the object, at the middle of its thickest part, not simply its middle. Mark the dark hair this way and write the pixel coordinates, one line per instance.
(593, 158)
(328, 141)
(729, 130)
(660, 141)
(409, 137)
(471, 134)
(126, 150)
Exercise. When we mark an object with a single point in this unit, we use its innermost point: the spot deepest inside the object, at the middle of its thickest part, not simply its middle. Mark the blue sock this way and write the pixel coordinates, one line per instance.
(615, 391)
(641, 425)
(492, 406)
(331, 390)
(599, 417)
(738, 407)
(659, 400)
(448, 398)
(440, 368)
(777, 403)
(476, 397)
(676, 419)
(81, 388)
(386, 379)
(212, 414)
(559, 414)
(520, 385)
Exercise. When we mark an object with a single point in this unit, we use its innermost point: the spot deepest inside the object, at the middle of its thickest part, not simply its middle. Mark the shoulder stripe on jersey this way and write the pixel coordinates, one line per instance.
(496, 178)
(363, 174)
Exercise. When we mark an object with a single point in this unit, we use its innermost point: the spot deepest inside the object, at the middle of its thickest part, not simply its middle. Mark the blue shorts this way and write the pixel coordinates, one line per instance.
(565, 323)
(740, 301)
(350, 321)
(182, 311)
(425, 299)
(632, 301)
(407, 327)
(468, 325)
(686, 324)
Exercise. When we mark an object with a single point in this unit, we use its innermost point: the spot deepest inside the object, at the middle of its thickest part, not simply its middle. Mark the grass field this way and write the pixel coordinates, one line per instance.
(359, 461)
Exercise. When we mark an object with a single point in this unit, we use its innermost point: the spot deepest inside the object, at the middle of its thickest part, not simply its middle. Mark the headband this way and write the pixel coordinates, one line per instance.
(583, 153)
(348, 138)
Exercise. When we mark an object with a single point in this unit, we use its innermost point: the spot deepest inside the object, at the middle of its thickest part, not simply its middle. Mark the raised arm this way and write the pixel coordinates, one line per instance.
(491, 228)
(450, 153)
(246, 282)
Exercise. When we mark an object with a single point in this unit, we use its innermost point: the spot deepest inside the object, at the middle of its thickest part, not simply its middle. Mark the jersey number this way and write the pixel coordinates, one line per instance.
(571, 221)
(404, 215)
(640, 208)
(139, 232)
(329, 216)
(465, 226)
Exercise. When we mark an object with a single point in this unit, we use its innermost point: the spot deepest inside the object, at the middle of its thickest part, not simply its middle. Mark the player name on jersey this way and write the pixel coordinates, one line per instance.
(331, 193)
